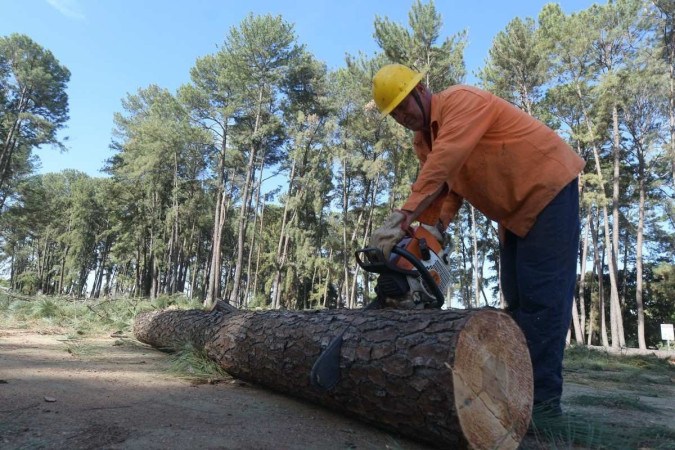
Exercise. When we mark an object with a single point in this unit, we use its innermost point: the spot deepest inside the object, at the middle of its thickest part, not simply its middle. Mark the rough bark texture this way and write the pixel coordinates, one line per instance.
(452, 378)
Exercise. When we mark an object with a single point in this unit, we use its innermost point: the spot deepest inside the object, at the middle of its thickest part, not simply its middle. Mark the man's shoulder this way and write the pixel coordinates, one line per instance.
(463, 89)
(462, 95)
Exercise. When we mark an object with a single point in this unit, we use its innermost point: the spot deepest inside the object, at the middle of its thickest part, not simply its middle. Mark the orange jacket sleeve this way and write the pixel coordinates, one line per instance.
(463, 124)
(445, 206)
(484, 150)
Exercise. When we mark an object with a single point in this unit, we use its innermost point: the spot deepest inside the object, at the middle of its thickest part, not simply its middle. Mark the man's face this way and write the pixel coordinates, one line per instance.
(409, 114)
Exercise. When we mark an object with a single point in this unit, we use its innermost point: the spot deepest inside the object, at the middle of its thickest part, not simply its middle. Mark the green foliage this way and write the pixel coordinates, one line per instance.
(82, 317)
(28, 281)
(176, 301)
(195, 365)
(281, 168)
(33, 106)
(417, 47)
(46, 309)
(516, 69)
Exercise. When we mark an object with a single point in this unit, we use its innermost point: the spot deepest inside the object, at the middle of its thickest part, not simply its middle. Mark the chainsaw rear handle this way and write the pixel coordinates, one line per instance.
(377, 263)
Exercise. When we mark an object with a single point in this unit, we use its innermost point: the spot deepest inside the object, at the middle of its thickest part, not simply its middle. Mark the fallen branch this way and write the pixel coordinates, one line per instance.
(627, 351)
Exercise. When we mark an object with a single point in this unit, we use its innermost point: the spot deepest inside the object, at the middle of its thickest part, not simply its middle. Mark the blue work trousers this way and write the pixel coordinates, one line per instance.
(538, 277)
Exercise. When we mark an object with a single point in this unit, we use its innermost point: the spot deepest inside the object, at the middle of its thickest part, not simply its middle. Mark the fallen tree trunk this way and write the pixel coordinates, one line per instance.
(452, 378)
(629, 351)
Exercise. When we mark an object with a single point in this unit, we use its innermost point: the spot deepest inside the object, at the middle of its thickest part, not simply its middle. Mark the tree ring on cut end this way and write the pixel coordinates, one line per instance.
(492, 378)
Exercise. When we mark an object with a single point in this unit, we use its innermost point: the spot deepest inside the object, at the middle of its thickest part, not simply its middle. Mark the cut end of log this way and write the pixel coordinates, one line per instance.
(492, 376)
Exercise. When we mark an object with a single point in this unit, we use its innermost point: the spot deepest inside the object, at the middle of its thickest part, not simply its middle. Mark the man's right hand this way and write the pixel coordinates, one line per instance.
(389, 234)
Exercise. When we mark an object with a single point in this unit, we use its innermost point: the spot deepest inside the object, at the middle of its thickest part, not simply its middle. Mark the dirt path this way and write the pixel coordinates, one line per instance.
(114, 392)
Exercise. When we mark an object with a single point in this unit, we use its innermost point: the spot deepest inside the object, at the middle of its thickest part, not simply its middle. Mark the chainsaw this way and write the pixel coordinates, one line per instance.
(415, 276)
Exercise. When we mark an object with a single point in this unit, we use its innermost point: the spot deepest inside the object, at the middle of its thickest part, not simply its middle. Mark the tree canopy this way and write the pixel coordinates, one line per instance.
(257, 180)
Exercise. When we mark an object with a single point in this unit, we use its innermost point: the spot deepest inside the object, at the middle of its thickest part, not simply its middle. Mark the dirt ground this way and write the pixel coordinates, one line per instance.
(113, 392)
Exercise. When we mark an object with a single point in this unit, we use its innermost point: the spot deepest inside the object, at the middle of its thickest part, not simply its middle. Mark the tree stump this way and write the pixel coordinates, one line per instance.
(454, 378)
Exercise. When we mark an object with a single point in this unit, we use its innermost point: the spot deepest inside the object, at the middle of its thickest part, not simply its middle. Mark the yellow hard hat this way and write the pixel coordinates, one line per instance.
(391, 84)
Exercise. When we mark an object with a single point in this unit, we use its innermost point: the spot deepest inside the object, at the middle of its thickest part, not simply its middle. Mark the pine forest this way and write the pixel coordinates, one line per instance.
(257, 180)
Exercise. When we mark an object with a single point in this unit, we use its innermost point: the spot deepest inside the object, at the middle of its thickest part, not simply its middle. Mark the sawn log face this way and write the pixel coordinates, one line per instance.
(453, 378)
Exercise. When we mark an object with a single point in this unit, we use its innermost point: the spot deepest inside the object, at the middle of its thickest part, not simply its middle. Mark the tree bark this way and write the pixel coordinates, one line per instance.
(616, 153)
(453, 378)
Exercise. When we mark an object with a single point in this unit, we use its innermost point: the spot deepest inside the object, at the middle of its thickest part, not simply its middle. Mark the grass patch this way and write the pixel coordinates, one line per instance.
(641, 374)
(612, 401)
(582, 431)
(83, 350)
(619, 376)
(194, 365)
(582, 358)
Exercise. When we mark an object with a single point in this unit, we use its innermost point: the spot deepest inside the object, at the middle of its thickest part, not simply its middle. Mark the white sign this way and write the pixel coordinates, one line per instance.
(667, 332)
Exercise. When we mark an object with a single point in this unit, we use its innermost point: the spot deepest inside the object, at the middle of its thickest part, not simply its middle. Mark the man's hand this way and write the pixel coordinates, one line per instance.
(388, 235)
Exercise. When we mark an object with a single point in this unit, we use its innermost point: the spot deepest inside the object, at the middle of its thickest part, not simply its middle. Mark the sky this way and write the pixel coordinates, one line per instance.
(116, 47)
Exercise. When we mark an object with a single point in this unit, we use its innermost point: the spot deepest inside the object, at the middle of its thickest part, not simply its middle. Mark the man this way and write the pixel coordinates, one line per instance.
(473, 145)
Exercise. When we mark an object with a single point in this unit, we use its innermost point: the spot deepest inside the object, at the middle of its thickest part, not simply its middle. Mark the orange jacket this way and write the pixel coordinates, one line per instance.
(503, 161)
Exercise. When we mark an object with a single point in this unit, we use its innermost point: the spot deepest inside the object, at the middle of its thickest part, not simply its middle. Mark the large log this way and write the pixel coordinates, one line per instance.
(452, 378)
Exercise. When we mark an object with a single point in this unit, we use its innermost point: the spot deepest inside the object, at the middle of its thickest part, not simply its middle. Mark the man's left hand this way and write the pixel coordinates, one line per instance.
(390, 233)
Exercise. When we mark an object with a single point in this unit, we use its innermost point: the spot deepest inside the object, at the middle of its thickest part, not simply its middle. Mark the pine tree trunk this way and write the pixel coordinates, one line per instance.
(453, 378)
(280, 260)
(582, 279)
(598, 265)
(616, 321)
(474, 256)
(638, 258)
(669, 43)
(578, 336)
(244, 208)
(616, 153)
(218, 223)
